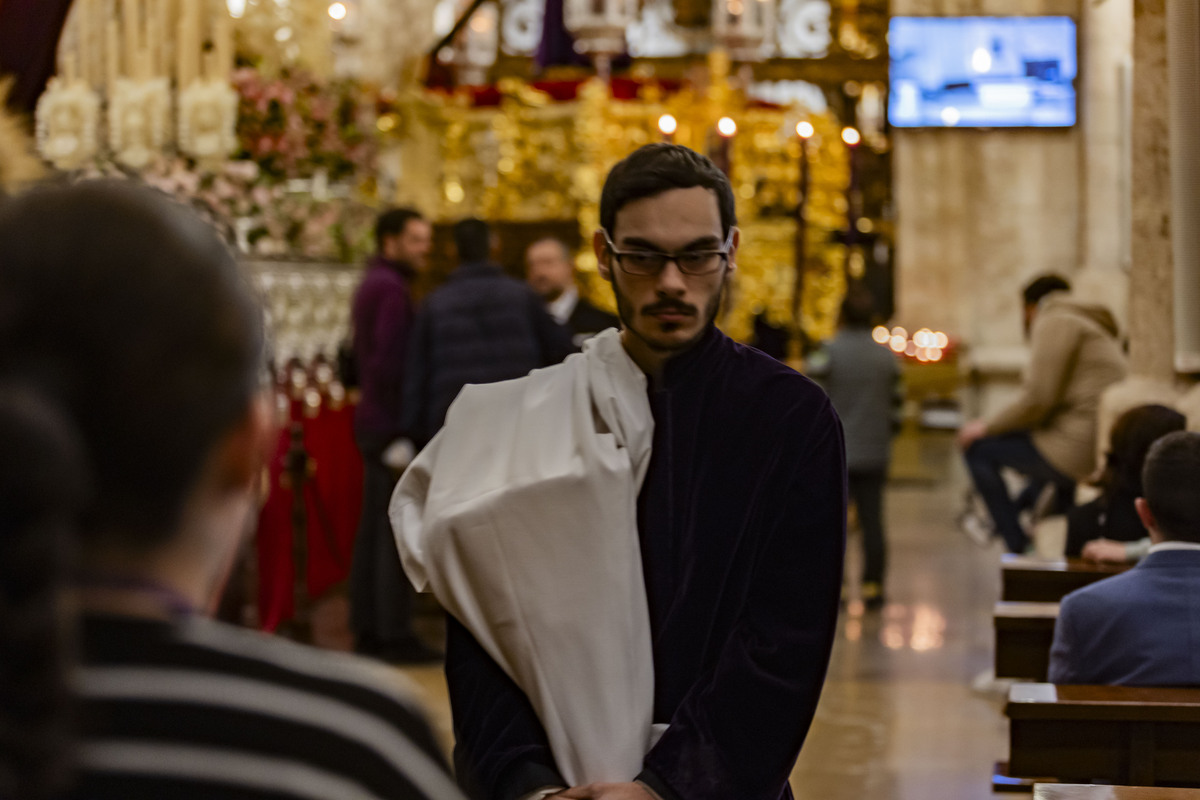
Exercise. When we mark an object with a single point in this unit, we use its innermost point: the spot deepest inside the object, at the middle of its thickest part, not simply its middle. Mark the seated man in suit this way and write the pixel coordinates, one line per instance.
(1140, 628)
(550, 272)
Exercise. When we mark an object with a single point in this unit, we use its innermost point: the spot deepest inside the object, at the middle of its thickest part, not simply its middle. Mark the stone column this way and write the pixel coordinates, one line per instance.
(1106, 64)
(1151, 299)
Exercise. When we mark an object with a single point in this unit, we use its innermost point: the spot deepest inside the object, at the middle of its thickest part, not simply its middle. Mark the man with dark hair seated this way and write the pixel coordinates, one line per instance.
(1140, 628)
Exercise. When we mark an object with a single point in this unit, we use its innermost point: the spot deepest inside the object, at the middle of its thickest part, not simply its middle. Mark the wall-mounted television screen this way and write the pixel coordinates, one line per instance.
(982, 72)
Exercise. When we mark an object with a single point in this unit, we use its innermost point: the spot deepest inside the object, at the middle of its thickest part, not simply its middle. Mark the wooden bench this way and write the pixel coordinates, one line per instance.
(1038, 580)
(1128, 735)
(1024, 633)
(1076, 791)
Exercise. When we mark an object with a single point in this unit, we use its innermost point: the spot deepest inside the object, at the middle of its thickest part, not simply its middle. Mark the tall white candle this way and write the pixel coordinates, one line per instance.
(132, 43)
(181, 76)
(195, 38)
(223, 36)
(82, 45)
(112, 55)
(162, 26)
(69, 68)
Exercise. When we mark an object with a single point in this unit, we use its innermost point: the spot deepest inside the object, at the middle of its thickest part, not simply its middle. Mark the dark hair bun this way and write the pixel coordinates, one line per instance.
(43, 488)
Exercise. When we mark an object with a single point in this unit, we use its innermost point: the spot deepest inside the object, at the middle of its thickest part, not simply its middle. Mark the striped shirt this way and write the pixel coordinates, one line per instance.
(198, 709)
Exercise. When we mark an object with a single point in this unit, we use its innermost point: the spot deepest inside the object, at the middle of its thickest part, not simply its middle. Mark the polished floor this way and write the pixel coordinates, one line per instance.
(899, 719)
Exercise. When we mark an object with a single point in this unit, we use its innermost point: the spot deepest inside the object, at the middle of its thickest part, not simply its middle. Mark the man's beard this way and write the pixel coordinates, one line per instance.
(625, 312)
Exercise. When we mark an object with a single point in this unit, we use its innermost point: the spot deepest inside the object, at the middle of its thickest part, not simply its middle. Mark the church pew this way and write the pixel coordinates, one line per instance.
(1128, 735)
(1075, 791)
(1024, 633)
(1038, 580)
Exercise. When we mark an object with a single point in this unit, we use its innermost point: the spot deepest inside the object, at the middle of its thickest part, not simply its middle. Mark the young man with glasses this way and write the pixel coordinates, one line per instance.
(737, 503)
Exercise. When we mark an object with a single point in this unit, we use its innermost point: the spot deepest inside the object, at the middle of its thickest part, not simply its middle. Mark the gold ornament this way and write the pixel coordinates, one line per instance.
(138, 120)
(531, 159)
(208, 120)
(66, 119)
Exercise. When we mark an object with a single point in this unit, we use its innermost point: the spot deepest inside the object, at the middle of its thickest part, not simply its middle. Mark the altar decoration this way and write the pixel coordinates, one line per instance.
(296, 126)
(139, 115)
(308, 308)
(316, 470)
(266, 218)
(744, 27)
(282, 162)
(208, 120)
(68, 123)
(289, 35)
(599, 25)
(536, 152)
(479, 45)
(141, 61)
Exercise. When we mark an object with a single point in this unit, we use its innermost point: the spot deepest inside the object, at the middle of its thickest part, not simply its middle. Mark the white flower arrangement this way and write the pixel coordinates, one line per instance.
(66, 121)
(138, 120)
(208, 120)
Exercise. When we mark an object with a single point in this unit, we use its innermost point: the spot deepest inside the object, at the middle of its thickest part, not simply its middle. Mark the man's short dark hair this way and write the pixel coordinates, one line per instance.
(392, 223)
(1169, 484)
(656, 168)
(858, 308)
(473, 239)
(1044, 285)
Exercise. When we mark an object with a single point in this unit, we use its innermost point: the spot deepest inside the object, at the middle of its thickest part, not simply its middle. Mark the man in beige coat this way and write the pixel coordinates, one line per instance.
(1048, 433)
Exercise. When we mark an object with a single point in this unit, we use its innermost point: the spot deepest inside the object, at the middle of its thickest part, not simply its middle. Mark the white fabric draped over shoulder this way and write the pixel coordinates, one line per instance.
(521, 518)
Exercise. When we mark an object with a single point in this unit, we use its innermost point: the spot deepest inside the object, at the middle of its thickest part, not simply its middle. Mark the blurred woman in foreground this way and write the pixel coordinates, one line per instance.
(132, 436)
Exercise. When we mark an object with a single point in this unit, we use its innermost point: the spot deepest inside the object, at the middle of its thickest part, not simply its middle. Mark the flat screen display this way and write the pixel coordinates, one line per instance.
(982, 72)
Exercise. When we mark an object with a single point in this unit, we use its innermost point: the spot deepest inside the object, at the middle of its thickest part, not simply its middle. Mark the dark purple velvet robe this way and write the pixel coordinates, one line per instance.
(742, 520)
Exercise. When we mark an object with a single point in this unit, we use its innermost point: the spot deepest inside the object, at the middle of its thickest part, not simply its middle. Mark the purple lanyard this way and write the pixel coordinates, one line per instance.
(172, 601)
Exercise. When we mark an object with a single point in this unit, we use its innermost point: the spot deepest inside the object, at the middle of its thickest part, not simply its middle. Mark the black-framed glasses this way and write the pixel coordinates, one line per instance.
(651, 262)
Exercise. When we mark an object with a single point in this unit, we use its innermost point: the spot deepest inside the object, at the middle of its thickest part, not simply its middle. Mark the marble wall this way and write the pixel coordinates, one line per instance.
(979, 213)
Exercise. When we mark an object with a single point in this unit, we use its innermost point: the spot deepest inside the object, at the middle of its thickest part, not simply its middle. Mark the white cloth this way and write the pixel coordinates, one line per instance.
(521, 518)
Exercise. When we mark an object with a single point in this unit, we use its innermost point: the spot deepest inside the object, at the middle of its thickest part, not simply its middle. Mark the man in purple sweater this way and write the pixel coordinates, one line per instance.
(381, 599)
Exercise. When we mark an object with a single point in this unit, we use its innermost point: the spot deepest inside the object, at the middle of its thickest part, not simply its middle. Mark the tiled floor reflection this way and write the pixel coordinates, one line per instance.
(898, 719)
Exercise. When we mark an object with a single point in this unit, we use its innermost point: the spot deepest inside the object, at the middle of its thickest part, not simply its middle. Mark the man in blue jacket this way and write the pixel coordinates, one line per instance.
(1141, 628)
(481, 326)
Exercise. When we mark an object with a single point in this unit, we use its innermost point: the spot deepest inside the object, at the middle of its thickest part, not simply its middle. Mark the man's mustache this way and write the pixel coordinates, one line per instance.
(677, 306)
